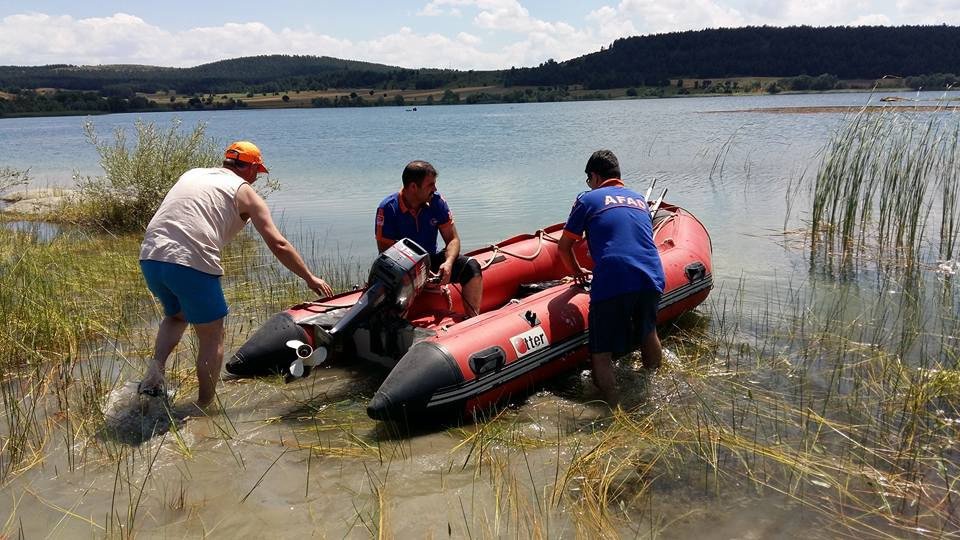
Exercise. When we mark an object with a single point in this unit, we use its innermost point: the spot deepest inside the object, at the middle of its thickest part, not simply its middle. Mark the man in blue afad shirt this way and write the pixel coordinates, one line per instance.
(418, 212)
(627, 273)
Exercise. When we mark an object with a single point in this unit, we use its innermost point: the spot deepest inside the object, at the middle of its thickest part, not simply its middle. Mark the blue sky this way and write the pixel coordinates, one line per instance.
(461, 34)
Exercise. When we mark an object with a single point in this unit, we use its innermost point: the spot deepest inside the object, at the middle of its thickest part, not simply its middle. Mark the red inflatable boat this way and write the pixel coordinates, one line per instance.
(531, 327)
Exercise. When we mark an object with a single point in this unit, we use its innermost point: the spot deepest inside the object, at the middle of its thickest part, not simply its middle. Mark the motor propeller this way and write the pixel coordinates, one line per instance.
(307, 357)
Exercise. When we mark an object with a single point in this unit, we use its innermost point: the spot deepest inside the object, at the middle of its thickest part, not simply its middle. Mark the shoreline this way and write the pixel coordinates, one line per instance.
(419, 99)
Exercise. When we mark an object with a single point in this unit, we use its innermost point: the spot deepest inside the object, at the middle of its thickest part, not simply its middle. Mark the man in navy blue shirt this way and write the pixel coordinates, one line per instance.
(628, 276)
(418, 212)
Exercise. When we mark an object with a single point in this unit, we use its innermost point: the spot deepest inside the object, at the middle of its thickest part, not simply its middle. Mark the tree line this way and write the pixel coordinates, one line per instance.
(864, 52)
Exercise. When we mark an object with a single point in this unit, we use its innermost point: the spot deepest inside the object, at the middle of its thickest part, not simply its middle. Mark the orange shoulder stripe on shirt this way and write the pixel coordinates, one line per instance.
(380, 218)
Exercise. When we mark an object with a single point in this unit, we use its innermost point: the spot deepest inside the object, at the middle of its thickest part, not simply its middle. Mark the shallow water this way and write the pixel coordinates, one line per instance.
(43, 232)
(305, 457)
(133, 418)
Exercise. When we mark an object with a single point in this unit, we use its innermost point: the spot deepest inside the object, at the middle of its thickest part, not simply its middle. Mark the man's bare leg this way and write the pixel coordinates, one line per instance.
(651, 353)
(604, 377)
(168, 336)
(209, 359)
(472, 295)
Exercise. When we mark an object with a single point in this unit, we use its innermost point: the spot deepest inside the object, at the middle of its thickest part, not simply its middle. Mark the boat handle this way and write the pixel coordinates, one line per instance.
(695, 271)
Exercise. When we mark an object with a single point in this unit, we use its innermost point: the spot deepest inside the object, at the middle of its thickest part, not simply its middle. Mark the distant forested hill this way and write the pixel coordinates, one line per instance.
(868, 52)
(255, 74)
(864, 52)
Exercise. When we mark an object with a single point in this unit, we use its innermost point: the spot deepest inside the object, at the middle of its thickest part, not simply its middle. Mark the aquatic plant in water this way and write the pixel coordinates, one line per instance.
(889, 188)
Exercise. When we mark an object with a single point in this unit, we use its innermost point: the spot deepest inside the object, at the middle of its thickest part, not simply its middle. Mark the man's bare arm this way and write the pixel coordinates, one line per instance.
(250, 204)
(384, 243)
(569, 260)
(452, 240)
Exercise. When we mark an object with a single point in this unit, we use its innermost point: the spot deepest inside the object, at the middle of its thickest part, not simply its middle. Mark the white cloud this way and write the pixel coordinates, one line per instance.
(409, 49)
(538, 39)
(431, 10)
(37, 38)
(658, 16)
(34, 38)
(873, 19)
(611, 25)
(436, 8)
(122, 38)
(927, 12)
(507, 34)
(468, 39)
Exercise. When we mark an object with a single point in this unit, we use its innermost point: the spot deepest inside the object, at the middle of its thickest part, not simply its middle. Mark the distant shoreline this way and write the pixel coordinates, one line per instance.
(415, 99)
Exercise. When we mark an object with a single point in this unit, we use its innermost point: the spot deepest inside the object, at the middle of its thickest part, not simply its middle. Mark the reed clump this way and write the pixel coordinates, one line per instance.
(61, 300)
(829, 418)
(888, 188)
(55, 295)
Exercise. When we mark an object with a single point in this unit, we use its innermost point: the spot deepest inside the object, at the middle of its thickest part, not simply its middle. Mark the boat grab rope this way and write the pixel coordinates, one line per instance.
(541, 235)
(329, 306)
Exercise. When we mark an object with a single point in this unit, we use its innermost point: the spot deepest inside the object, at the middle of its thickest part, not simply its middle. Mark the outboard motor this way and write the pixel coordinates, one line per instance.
(396, 277)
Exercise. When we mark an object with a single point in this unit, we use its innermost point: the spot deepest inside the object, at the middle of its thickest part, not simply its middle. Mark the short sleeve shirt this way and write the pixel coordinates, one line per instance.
(620, 239)
(395, 221)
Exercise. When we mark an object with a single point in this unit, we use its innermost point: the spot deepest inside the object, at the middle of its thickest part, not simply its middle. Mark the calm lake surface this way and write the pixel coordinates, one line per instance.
(504, 169)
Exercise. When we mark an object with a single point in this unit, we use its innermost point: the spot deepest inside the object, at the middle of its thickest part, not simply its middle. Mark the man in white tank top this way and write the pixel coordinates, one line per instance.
(180, 259)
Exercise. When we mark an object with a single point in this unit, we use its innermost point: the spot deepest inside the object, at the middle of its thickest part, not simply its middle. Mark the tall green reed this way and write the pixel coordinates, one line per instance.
(884, 175)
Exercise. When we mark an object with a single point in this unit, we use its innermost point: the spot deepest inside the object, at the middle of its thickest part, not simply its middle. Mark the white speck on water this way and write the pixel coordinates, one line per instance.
(948, 267)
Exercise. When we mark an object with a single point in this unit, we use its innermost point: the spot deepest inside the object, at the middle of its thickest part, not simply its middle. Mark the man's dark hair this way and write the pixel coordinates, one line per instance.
(416, 171)
(235, 163)
(604, 163)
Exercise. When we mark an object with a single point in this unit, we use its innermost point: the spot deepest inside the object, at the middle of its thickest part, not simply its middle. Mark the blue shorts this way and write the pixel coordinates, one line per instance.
(181, 288)
(618, 324)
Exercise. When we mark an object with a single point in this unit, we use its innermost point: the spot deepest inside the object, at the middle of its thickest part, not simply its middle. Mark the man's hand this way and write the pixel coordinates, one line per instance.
(582, 276)
(319, 286)
(444, 272)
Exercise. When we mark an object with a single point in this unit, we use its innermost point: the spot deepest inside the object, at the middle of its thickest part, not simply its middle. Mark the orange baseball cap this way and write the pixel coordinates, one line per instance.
(246, 152)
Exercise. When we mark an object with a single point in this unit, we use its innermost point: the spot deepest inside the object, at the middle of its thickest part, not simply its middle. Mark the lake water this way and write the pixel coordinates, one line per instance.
(504, 169)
